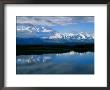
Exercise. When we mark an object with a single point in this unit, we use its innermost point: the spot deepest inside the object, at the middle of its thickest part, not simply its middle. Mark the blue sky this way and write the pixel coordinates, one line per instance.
(62, 24)
(80, 27)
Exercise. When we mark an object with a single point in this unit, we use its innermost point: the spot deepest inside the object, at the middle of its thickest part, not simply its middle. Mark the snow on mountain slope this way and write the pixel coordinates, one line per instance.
(77, 36)
(56, 36)
(47, 34)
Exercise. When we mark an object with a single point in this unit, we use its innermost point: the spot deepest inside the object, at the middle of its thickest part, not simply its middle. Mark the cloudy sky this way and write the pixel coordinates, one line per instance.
(61, 23)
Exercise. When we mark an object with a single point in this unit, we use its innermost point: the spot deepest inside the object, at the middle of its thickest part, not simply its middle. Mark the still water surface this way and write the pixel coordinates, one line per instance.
(64, 63)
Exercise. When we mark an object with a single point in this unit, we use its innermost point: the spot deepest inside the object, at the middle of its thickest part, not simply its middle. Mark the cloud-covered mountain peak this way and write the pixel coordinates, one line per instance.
(26, 30)
(32, 28)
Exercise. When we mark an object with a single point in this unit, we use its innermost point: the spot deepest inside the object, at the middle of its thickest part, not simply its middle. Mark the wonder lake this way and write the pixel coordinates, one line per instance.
(63, 63)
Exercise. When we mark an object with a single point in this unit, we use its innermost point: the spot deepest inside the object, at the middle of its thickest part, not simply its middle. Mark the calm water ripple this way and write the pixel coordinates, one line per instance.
(65, 63)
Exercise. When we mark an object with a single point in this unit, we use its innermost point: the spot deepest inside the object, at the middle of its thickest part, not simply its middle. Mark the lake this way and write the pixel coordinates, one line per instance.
(62, 63)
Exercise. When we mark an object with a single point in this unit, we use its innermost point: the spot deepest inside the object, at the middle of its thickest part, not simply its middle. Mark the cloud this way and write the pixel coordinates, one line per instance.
(83, 19)
(54, 20)
(89, 19)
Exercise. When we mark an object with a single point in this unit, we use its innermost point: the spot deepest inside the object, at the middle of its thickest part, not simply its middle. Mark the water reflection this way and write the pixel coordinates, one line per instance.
(65, 63)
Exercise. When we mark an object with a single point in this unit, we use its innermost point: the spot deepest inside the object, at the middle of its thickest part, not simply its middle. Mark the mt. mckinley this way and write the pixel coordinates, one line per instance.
(39, 34)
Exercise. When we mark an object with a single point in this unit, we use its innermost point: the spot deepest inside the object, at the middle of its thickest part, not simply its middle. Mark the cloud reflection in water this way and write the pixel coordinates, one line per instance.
(65, 63)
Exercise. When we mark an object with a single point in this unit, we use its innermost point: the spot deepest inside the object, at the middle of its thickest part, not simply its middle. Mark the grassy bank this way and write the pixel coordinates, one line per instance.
(45, 49)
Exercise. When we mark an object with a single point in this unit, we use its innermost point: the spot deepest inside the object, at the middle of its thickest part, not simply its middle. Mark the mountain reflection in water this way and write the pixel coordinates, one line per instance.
(63, 63)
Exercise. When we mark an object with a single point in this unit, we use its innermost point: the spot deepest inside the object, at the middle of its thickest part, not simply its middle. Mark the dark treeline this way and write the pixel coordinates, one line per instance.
(45, 49)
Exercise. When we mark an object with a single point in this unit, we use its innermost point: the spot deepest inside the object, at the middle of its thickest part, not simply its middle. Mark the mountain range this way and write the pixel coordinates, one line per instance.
(39, 34)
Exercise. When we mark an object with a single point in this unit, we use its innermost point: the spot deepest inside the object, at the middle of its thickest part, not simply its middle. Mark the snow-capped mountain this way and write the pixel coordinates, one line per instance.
(56, 36)
(77, 36)
(38, 33)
